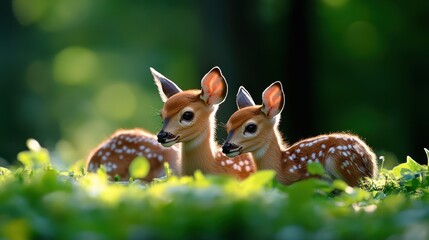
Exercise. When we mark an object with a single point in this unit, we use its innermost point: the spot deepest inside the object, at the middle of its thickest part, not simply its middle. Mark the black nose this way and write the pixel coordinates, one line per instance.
(162, 136)
(227, 147)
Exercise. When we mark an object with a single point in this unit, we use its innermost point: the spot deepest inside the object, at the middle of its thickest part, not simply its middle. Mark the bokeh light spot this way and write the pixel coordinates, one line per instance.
(117, 101)
(65, 13)
(29, 11)
(336, 3)
(75, 65)
(362, 39)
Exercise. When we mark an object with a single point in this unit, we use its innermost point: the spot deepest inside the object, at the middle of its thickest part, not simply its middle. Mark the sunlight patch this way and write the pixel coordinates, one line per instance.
(75, 66)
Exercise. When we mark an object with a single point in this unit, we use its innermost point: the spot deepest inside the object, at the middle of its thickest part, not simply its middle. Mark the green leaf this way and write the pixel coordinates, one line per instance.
(339, 184)
(315, 168)
(259, 179)
(414, 166)
(4, 171)
(36, 158)
(168, 171)
(409, 167)
(427, 155)
(139, 167)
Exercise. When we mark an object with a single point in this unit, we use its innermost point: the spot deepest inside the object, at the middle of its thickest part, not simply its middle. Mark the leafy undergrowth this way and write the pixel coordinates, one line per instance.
(39, 202)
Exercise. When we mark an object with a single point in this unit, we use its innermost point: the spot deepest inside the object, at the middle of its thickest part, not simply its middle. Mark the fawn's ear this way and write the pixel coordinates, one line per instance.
(243, 98)
(166, 87)
(273, 100)
(213, 87)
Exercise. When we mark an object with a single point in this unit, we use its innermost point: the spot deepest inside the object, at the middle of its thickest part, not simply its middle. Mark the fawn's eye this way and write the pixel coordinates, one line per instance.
(250, 128)
(188, 116)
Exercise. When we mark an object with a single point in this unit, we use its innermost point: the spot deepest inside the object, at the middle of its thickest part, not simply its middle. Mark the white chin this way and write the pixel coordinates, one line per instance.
(168, 144)
(233, 154)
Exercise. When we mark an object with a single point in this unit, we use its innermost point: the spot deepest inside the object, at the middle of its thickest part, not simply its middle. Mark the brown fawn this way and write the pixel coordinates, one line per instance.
(254, 128)
(189, 118)
(118, 151)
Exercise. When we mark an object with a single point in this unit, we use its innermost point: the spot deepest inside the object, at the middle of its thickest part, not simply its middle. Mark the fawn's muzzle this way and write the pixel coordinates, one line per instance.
(228, 148)
(164, 137)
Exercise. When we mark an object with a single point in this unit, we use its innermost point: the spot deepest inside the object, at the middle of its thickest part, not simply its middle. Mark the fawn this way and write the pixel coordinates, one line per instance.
(254, 128)
(189, 118)
(118, 151)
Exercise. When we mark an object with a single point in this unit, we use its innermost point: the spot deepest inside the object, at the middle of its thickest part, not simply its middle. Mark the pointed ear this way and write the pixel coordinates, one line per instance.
(243, 98)
(213, 87)
(166, 87)
(273, 99)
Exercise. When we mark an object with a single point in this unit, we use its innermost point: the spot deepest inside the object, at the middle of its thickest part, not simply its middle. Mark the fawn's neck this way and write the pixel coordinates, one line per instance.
(199, 153)
(270, 154)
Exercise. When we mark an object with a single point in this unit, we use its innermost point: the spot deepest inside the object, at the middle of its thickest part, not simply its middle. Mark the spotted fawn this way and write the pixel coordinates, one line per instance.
(254, 128)
(118, 151)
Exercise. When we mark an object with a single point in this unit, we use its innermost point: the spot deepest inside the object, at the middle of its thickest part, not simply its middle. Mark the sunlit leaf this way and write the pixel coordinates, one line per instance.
(315, 168)
(36, 158)
(168, 171)
(139, 167)
(407, 168)
(4, 171)
(339, 184)
(414, 166)
(427, 156)
(259, 179)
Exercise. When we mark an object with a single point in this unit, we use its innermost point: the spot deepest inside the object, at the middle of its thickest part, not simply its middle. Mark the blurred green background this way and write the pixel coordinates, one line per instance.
(73, 71)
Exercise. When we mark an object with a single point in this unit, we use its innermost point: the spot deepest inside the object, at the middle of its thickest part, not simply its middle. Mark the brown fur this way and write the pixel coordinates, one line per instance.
(178, 101)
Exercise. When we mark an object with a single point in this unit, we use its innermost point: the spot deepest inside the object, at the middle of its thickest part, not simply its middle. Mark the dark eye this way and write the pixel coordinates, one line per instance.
(251, 128)
(188, 116)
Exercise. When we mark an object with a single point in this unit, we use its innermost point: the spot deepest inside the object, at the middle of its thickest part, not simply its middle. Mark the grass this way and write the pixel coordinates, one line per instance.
(39, 202)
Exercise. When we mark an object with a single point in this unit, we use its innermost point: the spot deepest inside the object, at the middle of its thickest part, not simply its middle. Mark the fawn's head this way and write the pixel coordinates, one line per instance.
(252, 126)
(186, 114)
